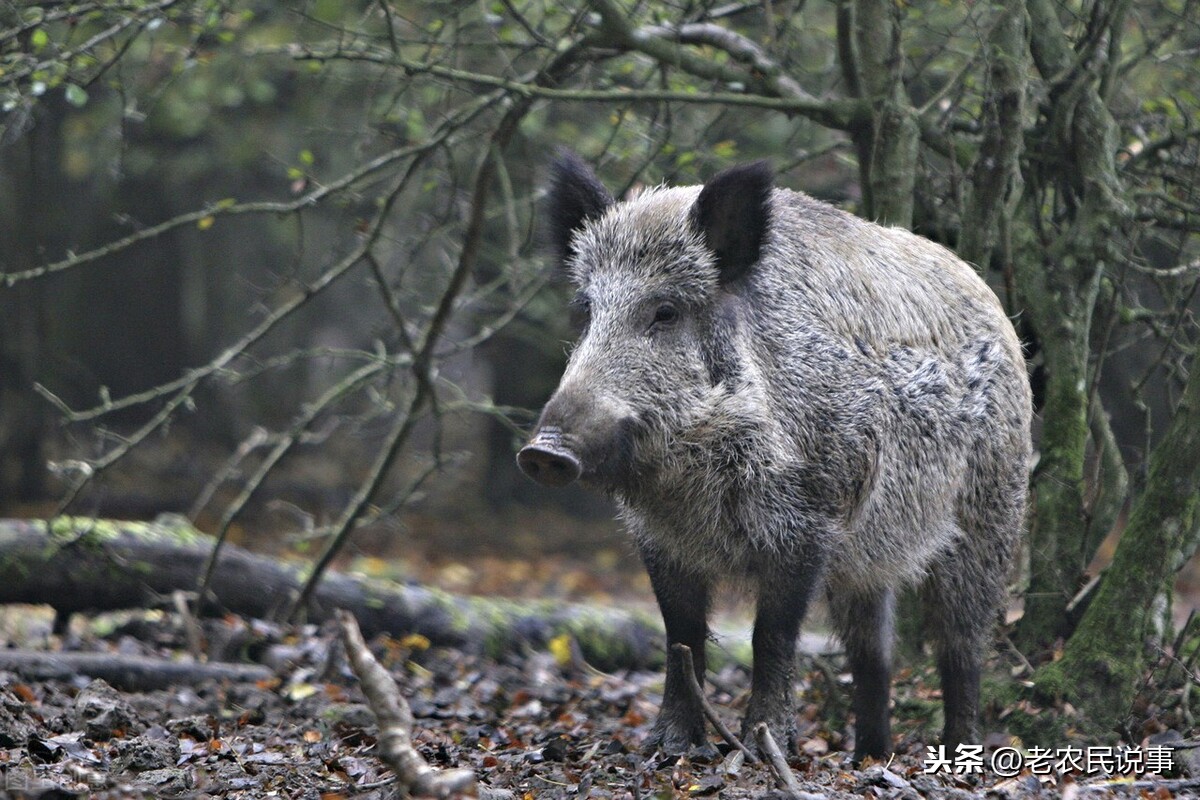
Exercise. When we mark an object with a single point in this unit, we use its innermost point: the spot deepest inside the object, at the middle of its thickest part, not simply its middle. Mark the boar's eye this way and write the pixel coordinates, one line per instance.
(581, 312)
(666, 314)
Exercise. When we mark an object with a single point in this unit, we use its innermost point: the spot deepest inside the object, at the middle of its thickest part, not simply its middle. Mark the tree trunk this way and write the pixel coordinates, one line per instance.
(994, 189)
(1057, 522)
(1099, 671)
(890, 144)
(128, 673)
(1059, 275)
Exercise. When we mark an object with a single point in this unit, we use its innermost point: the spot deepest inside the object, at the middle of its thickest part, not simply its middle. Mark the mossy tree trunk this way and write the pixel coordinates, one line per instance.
(84, 564)
(1057, 522)
(995, 186)
(874, 64)
(1075, 225)
(1099, 671)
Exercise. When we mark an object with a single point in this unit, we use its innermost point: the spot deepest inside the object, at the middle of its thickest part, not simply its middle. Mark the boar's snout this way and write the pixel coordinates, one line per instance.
(582, 435)
(547, 460)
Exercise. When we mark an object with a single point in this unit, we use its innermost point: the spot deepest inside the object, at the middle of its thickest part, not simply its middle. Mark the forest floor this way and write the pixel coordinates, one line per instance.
(538, 724)
(535, 724)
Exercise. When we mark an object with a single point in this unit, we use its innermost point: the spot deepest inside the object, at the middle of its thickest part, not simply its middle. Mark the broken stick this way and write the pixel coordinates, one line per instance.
(396, 722)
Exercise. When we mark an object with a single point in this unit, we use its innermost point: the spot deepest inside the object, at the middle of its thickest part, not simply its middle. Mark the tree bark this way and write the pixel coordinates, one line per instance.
(1057, 522)
(1108, 483)
(995, 185)
(126, 672)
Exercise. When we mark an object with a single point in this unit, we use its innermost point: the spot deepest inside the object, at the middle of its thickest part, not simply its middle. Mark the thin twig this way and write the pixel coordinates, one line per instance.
(191, 628)
(376, 514)
(257, 438)
(689, 672)
(354, 509)
(310, 412)
(390, 301)
(95, 468)
(1026, 667)
(785, 779)
(396, 723)
(451, 131)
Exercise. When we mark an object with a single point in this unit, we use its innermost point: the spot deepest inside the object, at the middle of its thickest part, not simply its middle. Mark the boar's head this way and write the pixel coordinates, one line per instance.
(659, 280)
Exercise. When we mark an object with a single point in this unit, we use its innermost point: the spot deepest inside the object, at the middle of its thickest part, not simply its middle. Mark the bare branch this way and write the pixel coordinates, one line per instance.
(1170, 272)
(91, 470)
(740, 48)
(837, 113)
(697, 692)
(256, 439)
(657, 43)
(785, 779)
(396, 723)
(332, 395)
(230, 209)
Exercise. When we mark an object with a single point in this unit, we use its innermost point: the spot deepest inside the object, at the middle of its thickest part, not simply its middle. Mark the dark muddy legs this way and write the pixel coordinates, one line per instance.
(683, 598)
(782, 602)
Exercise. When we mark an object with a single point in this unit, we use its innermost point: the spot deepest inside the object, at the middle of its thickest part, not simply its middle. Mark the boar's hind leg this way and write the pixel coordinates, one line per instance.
(683, 599)
(963, 596)
(864, 622)
(782, 601)
(965, 591)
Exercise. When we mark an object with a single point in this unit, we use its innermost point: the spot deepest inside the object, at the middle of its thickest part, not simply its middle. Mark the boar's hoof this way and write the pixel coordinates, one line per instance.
(549, 463)
(677, 741)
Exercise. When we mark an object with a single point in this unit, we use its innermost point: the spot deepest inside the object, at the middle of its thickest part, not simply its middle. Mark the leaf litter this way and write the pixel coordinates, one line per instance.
(538, 724)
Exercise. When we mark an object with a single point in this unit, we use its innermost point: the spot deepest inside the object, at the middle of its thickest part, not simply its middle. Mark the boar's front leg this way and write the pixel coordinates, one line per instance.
(782, 600)
(683, 597)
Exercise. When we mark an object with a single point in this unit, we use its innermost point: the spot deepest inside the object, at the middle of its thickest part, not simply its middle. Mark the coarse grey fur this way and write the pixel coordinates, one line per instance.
(783, 395)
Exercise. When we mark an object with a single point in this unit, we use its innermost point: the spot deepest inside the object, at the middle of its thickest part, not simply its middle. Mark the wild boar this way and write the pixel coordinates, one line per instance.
(782, 395)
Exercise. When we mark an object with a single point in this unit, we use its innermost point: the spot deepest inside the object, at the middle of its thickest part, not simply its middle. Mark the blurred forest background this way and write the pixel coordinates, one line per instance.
(275, 266)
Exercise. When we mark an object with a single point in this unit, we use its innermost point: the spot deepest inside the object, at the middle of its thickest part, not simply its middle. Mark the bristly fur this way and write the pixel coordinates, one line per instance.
(831, 403)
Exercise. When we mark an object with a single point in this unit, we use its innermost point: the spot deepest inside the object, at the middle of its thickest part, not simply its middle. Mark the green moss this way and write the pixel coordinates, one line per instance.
(1058, 537)
(93, 531)
(918, 716)
(1050, 683)
(1099, 686)
(84, 529)
(1031, 713)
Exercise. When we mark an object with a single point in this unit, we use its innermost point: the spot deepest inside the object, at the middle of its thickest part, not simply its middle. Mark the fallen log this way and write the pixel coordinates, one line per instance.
(129, 673)
(83, 564)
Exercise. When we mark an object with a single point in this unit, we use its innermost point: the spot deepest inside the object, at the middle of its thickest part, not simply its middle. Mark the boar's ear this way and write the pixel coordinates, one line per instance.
(733, 212)
(576, 195)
